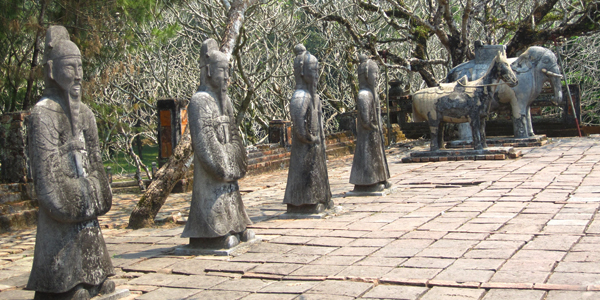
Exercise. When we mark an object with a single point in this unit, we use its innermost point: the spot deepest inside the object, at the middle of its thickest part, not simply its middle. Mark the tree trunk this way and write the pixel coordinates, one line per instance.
(27, 101)
(176, 167)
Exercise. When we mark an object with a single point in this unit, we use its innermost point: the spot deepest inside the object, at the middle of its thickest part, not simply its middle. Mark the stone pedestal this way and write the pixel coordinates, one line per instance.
(504, 141)
(241, 248)
(385, 192)
(490, 153)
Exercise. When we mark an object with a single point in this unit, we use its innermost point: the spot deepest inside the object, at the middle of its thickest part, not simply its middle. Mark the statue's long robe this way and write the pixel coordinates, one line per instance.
(369, 165)
(219, 161)
(307, 182)
(69, 247)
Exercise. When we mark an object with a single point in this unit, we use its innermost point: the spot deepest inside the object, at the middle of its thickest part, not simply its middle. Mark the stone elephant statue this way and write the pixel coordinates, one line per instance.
(533, 68)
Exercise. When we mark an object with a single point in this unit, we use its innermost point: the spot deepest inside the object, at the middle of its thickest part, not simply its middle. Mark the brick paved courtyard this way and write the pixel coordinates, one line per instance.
(512, 229)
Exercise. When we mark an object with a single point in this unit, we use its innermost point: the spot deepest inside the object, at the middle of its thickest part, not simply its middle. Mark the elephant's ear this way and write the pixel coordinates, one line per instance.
(522, 64)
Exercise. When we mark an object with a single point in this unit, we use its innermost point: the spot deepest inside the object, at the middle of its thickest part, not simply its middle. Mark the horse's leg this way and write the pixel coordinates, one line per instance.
(482, 133)
(441, 143)
(476, 129)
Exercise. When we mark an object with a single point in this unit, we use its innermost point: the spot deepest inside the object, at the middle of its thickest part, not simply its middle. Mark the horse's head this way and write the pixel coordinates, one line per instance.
(504, 71)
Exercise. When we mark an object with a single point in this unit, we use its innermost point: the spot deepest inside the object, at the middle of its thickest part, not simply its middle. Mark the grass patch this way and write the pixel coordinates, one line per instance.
(119, 163)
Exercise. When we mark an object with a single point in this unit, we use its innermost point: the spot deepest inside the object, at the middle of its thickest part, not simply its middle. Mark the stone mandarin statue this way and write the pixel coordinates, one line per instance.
(70, 259)
(217, 217)
(369, 168)
(307, 189)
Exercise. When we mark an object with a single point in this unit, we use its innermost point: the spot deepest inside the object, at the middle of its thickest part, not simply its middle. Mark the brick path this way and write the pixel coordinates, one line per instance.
(512, 229)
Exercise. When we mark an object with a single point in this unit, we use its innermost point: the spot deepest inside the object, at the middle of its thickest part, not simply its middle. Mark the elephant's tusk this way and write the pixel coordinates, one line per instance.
(552, 74)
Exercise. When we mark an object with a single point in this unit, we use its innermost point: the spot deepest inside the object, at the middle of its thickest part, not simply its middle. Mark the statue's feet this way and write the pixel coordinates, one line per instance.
(76, 293)
(387, 184)
(108, 287)
(378, 187)
(223, 242)
(81, 294)
(247, 235)
(305, 209)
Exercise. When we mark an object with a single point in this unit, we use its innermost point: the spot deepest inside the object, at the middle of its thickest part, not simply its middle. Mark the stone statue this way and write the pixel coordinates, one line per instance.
(307, 189)
(217, 217)
(369, 166)
(533, 68)
(70, 259)
(462, 101)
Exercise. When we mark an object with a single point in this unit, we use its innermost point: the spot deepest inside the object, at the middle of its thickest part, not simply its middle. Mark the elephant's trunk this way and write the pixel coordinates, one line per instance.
(556, 81)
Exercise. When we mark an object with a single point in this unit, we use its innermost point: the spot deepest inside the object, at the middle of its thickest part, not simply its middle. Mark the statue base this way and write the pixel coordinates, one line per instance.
(361, 193)
(311, 211)
(117, 294)
(195, 250)
(490, 153)
(504, 141)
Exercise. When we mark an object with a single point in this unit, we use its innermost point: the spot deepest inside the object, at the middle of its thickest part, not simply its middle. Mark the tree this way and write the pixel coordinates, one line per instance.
(439, 33)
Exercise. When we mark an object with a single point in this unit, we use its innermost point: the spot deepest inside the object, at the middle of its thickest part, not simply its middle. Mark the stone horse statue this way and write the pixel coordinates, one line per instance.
(534, 67)
(462, 101)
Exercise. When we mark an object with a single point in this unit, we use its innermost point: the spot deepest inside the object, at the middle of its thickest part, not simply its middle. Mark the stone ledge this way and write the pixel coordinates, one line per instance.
(491, 153)
(504, 141)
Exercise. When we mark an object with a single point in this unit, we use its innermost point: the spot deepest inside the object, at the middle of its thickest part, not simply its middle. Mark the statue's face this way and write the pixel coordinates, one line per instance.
(67, 72)
(373, 78)
(219, 76)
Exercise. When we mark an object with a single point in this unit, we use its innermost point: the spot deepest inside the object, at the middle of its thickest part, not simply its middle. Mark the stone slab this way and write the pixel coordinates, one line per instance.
(503, 141)
(368, 194)
(243, 247)
(490, 153)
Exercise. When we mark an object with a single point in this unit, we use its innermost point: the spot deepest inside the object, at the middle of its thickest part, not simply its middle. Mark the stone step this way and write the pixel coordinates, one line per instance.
(9, 197)
(18, 220)
(15, 207)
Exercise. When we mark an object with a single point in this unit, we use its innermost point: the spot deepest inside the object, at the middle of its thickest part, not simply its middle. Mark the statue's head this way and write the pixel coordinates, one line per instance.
(306, 66)
(215, 66)
(62, 62)
(368, 72)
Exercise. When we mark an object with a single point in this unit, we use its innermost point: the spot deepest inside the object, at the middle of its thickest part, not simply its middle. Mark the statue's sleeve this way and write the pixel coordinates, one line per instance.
(366, 110)
(305, 122)
(64, 195)
(97, 178)
(223, 156)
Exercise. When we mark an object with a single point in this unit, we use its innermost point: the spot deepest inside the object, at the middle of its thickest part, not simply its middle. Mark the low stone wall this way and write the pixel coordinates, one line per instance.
(13, 153)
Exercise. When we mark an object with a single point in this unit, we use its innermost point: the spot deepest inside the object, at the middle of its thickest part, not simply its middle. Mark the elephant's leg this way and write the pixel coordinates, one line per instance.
(434, 129)
(519, 122)
(441, 143)
(464, 132)
(529, 124)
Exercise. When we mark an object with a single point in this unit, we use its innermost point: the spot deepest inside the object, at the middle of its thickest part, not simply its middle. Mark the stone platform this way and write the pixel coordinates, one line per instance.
(524, 229)
(490, 153)
(241, 248)
(504, 141)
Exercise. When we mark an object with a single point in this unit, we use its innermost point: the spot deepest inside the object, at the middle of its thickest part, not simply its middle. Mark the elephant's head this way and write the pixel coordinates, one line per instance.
(543, 65)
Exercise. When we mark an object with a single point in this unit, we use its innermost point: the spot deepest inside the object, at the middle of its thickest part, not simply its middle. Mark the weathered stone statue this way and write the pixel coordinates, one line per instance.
(533, 68)
(70, 260)
(217, 217)
(462, 101)
(369, 168)
(307, 189)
